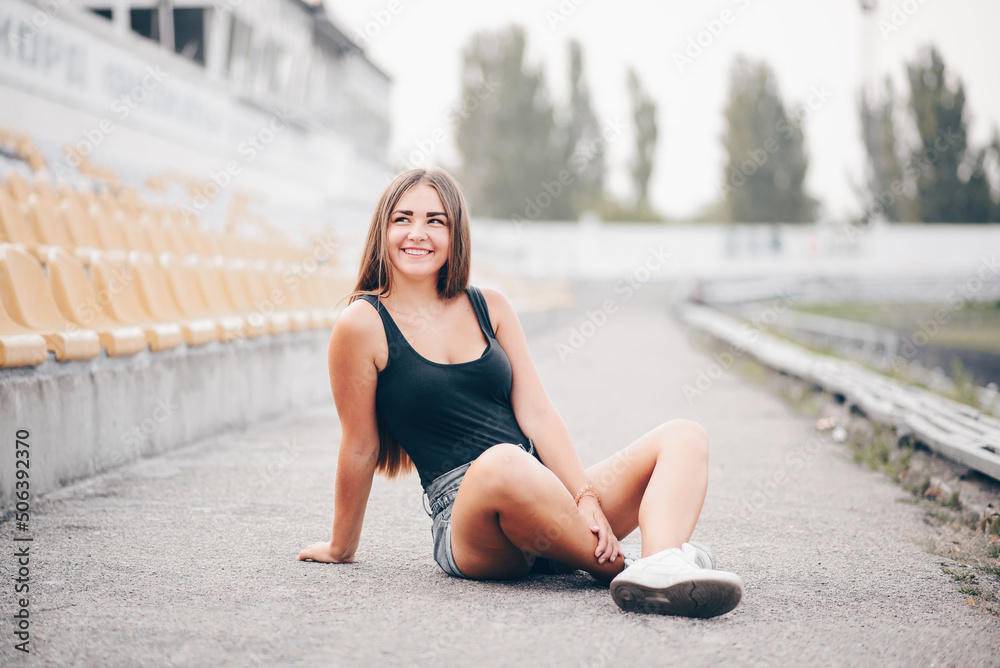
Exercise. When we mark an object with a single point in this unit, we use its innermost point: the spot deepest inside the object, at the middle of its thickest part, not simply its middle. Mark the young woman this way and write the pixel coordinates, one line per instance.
(431, 373)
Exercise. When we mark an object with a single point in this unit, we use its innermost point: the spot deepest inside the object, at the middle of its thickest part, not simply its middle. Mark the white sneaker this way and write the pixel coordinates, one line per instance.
(703, 556)
(671, 583)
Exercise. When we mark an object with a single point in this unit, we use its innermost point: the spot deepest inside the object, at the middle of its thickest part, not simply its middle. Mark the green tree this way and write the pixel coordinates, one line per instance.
(646, 132)
(585, 150)
(942, 157)
(884, 187)
(994, 158)
(509, 156)
(763, 180)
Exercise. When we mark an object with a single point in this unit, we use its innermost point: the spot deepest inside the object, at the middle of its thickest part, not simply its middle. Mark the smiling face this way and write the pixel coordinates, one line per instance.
(418, 233)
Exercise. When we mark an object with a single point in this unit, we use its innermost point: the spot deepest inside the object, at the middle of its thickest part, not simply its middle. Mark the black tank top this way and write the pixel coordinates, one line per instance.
(445, 415)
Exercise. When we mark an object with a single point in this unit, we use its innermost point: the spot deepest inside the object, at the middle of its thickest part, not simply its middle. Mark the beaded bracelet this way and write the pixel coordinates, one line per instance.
(589, 489)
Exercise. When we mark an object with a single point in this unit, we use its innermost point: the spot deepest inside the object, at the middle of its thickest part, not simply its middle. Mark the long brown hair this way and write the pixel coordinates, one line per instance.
(374, 274)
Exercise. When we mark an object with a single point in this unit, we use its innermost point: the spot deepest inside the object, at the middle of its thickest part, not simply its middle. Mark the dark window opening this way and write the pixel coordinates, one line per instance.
(146, 23)
(189, 33)
(106, 13)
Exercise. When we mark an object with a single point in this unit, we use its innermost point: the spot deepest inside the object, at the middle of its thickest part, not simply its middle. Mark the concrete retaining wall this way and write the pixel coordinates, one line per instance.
(87, 417)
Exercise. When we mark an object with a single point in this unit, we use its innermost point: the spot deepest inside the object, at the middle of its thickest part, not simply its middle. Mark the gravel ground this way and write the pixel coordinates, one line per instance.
(188, 558)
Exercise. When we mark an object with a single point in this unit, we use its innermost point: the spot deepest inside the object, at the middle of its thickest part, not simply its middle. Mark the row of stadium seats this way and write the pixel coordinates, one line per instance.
(88, 219)
(125, 304)
(86, 270)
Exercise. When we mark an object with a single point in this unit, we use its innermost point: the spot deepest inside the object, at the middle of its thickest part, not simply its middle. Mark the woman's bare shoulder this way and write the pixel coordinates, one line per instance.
(358, 323)
(499, 306)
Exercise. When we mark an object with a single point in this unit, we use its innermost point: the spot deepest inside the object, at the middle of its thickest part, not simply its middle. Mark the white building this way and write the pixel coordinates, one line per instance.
(265, 98)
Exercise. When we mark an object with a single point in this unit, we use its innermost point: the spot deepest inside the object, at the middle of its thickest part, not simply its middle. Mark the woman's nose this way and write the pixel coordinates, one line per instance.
(417, 231)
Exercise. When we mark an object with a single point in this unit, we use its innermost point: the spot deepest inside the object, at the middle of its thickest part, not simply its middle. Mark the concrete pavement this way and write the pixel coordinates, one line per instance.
(188, 558)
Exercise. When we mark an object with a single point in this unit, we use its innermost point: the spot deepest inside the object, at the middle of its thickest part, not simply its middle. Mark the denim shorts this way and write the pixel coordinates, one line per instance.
(440, 495)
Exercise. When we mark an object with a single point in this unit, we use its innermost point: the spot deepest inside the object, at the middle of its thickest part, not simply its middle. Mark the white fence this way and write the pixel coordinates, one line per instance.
(607, 251)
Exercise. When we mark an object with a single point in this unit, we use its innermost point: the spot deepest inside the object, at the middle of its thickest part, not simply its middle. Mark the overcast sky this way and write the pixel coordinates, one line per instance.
(816, 47)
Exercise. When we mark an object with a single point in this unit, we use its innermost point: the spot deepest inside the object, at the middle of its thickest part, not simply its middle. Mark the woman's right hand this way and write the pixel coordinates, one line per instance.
(323, 552)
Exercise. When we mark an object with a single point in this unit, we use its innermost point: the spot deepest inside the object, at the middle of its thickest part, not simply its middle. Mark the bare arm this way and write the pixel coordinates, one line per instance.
(357, 345)
(539, 419)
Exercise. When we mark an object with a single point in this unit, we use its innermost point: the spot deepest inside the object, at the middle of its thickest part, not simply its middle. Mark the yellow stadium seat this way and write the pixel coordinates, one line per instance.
(303, 297)
(112, 224)
(44, 191)
(108, 234)
(129, 228)
(216, 243)
(210, 278)
(335, 288)
(78, 301)
(151, 282)
(258, 307)
(156, 236)
(273, 306)
(19, 346)
(259, 277)
(47, 222)
(274, 284)
(179, 244)
(187, 293)
(18, 186)
(28, 299)
(13, 227)
(78, 223)
(115, 279)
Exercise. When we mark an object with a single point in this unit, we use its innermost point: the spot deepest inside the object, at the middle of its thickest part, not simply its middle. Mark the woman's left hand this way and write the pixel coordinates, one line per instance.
(608, 548)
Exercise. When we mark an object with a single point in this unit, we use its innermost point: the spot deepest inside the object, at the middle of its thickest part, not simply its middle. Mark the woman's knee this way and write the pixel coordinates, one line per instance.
(685, 435)
(503, 469)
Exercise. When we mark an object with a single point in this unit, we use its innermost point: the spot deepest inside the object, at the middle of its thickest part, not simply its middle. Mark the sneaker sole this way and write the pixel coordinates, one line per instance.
(693, 598)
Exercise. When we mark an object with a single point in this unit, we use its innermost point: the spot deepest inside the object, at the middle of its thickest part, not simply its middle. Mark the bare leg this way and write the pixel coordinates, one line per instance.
(509, 507)
(657, 483)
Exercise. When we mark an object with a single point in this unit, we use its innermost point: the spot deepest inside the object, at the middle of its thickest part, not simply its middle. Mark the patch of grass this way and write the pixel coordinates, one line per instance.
(965, 383)
(968, 577)
(804, 399)
(879, 449)
(939, 513)
(989, 570)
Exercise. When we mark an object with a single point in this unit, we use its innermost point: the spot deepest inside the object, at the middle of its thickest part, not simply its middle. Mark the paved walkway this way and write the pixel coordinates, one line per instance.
(188, 559)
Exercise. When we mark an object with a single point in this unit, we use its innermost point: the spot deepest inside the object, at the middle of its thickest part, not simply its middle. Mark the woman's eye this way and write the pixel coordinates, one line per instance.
(436, 220)
(401, 219)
